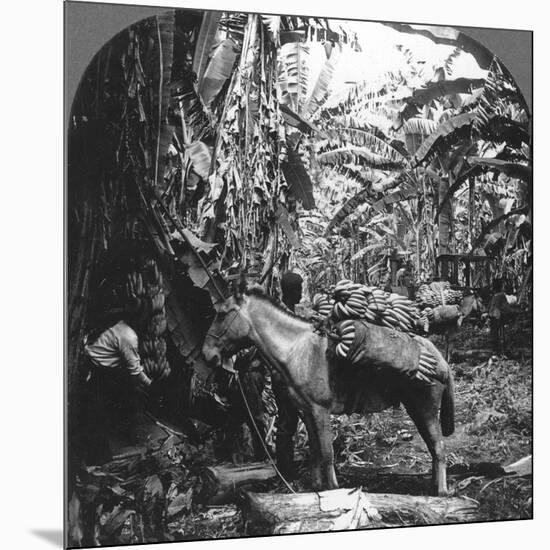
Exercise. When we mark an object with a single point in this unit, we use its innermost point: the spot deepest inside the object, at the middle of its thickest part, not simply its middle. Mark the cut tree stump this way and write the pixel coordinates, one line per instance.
(220, 484)
(344, 509)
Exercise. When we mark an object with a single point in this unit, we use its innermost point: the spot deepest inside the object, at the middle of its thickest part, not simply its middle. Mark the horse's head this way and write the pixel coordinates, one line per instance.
(229, 332)
(471, 305)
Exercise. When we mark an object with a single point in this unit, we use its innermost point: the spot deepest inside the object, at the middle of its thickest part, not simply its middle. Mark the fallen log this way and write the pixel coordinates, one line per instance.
(221, 483)
(344, 509)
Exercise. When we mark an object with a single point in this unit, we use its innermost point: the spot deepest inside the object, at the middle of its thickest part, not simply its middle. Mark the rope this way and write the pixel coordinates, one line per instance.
(288, 486)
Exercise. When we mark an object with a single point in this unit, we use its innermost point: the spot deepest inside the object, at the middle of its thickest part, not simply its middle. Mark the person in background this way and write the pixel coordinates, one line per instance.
(287, 417)
(248, 409)
(501, 312)
(116, 387)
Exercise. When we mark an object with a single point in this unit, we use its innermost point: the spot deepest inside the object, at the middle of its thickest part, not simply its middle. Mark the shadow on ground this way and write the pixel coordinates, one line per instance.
(53, 536)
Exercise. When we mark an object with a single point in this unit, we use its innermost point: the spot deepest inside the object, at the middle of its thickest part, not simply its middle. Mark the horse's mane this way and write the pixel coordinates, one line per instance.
(259, 293)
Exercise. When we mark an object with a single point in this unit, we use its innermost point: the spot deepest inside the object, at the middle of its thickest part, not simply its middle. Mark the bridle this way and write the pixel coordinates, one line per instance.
(225, 331)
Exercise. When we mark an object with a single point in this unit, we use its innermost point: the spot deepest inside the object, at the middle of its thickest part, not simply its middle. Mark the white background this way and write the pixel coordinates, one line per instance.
(31, 398)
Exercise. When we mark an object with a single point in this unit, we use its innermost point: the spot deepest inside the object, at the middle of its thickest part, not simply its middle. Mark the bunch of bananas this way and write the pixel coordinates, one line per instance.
(427, 365)
(401, 313)
(146, 283)
(346, 334)
(356, 301)
(134, 285)
(350, 300)
(155, 364)
(438, 293)
(452, 297)
(323, 304)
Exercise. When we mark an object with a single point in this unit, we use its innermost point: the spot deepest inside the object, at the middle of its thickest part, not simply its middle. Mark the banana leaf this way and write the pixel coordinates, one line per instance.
(405, 193)
(442, 131)
(273, 24)
(206, 38)
(294, 57)
(219, 69)
(299, 182)
(370, 248)
(320, 91)
(450, 37)
(348, 208)
(163, 72)
(295, 120)
(494, 223)
(457, 184)
(421, 126)
(443, 88)
(368, 140)
(200, 156)
(511, 169)
(502, 129)
(358, 156)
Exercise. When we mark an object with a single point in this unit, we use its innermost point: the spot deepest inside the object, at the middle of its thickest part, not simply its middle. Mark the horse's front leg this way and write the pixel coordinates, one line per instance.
(314, 451)
(324, 462)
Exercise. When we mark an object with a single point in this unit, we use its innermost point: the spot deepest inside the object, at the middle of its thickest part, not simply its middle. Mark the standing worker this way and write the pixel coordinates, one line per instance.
(287, 417)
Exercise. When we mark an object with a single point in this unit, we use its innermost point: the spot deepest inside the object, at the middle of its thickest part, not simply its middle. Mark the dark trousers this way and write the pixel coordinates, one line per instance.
(286, 425)
(108, 407)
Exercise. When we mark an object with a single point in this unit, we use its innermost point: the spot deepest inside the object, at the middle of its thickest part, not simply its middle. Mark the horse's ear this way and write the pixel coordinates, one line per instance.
(241, 286)
(243, 283)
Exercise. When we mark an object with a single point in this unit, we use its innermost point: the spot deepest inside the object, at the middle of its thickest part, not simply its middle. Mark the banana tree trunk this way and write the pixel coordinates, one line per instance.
(445, 218)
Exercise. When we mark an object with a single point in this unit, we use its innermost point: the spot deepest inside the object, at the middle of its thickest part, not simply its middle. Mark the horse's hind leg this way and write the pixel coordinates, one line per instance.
(425, 417)
(320, 436)
(314, 451)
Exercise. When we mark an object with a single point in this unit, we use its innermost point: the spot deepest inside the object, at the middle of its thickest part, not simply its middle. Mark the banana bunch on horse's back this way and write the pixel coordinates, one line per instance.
(353, 301)
(349, 301)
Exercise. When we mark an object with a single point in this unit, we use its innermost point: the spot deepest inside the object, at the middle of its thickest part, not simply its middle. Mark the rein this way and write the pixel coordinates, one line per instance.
(220, 336)
(256, 429)
(251, 416)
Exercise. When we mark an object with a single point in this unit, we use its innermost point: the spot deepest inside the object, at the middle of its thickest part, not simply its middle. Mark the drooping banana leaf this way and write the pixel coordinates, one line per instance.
(299, 182)
(219, 69)
(415, 131)
(381, 245)
(365, 195)
(503, 129)
(511, 169)
(163, 75)
(273, 24)
(450, 37)
(422, 126)
(494, 223)
(294, 75)
(201, 158)
(404, 193)
(441, 132)
(457, 184)
(205, 40)
(369, 141)
(295, 120)
(197, 117)
(358, 156)
(443, 88)
(320, 90)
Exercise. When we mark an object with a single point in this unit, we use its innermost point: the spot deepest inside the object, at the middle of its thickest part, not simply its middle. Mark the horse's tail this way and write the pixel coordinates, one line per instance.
(447, 416)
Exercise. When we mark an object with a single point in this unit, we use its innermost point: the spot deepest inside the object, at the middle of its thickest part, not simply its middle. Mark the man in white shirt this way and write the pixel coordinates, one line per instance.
(116, 348)
(117, 387)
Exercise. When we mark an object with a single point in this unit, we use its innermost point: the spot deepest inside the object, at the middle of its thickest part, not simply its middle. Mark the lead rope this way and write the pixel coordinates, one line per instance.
(289, 487)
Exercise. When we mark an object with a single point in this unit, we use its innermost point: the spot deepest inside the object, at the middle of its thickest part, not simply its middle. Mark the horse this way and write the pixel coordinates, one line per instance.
(320, 385)
(470, 305)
